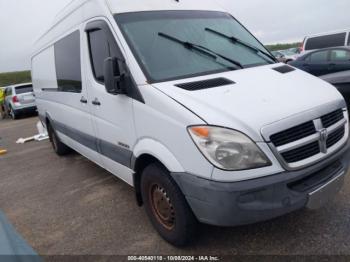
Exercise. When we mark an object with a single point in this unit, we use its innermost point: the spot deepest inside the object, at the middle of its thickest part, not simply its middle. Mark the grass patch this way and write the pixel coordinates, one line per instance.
(282, 46)
(12, 78)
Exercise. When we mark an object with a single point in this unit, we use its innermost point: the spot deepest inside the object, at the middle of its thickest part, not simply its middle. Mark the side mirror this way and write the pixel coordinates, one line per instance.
(114, 76)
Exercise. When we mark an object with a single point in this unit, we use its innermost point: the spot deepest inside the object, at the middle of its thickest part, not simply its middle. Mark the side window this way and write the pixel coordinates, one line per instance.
(101, 47)
(325, 41)
(68, 64)
(8, 91)
(349, 39)
(99, 51)
(318, 57)
(340, 56)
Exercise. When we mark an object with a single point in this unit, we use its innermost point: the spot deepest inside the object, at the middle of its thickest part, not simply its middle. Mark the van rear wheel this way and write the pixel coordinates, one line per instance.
(59, 148)
(166, 206)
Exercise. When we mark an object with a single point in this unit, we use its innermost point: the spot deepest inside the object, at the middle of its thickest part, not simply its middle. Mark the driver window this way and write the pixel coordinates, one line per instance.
(100, 48)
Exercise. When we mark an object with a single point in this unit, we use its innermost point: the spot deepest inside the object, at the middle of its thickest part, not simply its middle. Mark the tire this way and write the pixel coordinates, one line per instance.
(59, 148)
(167, 207)
(13, 114)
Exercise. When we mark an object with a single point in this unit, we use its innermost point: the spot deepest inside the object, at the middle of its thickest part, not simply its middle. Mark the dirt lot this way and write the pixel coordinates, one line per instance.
(71, 206)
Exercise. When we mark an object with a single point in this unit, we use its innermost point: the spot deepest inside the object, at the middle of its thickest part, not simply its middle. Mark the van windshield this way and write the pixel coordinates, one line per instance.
(172, 45)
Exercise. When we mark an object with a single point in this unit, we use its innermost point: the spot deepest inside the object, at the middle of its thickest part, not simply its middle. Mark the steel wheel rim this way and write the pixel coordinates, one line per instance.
(162, 207)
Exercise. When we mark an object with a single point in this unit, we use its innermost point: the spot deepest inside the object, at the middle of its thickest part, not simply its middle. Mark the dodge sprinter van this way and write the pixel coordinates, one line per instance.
(181, 102)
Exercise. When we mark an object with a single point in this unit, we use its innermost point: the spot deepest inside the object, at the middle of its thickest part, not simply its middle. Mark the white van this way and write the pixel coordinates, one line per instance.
(181, 102)
(326, 40)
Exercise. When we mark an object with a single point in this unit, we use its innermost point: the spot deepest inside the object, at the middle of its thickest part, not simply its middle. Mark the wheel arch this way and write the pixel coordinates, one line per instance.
(147, 152)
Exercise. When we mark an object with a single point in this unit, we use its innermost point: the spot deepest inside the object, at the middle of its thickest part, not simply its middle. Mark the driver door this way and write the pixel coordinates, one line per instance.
(112, 114)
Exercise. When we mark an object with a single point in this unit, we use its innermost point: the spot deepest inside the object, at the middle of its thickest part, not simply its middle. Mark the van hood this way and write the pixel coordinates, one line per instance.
(258, 97)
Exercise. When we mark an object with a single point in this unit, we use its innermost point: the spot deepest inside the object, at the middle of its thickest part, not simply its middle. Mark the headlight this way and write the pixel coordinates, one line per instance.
(228, 149)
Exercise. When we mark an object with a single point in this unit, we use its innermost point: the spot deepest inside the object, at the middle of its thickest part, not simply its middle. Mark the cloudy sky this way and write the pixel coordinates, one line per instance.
(272, 21)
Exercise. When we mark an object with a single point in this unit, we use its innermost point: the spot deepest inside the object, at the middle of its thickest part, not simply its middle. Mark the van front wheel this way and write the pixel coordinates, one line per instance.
(166, 206)
(59, 148)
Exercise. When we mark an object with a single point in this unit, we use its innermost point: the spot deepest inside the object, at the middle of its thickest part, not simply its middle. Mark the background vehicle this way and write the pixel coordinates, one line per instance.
(341, 81)
(285, 56)
(295, 50)
(324, 61)
(326, 40)
(19, 99)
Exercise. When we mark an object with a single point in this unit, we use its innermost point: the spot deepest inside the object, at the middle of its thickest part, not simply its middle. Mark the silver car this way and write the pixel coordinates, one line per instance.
(19, 99)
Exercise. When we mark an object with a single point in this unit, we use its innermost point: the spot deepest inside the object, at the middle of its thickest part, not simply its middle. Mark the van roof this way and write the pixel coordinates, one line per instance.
(71, 15)
(124, 6)
(329, 33)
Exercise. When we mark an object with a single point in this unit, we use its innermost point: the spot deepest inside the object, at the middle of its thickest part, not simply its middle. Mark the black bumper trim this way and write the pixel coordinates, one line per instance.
(247, 202)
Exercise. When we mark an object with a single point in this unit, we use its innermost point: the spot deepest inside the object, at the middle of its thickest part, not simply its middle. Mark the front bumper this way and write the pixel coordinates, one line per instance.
(247, 202)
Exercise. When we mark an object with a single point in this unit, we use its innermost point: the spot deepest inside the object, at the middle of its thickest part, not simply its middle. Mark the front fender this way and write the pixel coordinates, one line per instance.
(159, 151)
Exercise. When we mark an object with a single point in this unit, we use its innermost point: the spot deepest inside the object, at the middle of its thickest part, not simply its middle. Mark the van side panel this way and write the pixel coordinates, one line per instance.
(70, 117)
(43, 76)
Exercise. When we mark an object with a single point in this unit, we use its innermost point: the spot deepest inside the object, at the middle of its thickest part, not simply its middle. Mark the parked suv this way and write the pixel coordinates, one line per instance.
(19, 99)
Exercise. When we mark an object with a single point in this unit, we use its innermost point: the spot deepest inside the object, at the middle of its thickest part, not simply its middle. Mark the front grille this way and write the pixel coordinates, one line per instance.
(302, 153)
(332, 118)
(293, 134)
(335, 137)
(296, 145)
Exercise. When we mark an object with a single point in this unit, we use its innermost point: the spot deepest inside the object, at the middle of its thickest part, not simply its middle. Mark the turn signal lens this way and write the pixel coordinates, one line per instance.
(200, 131)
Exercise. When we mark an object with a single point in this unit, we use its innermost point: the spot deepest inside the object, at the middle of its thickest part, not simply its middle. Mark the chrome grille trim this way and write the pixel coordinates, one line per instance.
(339, 138)
(298, 143)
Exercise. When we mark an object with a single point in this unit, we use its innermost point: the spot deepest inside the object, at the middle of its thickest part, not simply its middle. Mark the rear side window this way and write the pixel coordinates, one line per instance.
(325, 41)
(318, 57)
(8, 91)
(24, 89)
(68, 66)
(340, 56)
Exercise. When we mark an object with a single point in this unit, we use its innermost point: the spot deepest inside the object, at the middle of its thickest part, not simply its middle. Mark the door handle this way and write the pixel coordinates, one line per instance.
(96, 102)
(83, 100)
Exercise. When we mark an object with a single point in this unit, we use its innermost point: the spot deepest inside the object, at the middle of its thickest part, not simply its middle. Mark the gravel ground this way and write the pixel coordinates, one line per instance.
(70, 206)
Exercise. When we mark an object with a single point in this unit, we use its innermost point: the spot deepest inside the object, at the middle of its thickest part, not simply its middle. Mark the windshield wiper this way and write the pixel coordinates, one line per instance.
(201, 49)
(238, 41)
